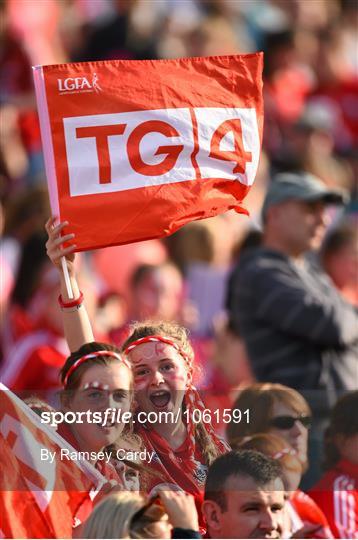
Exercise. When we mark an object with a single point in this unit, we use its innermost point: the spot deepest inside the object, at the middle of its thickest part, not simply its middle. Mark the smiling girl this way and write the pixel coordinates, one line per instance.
(95, 378)
(162, 360)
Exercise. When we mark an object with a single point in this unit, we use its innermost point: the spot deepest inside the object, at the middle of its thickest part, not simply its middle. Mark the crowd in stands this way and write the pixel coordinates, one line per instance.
(233, 313)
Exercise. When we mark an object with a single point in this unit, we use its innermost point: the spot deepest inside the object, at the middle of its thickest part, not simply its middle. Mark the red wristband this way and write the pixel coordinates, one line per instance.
(73, 303)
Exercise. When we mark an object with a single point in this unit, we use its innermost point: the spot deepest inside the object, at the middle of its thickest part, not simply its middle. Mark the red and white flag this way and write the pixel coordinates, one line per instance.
(136, 149)
(38, 498)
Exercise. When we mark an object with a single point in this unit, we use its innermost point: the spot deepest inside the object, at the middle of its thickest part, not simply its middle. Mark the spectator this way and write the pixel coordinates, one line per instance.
(122, 515)
(301, 510)
(95, 378)
(24, 214)
(273, 409)
(111, 314)
(203, 250)
(33, 344)
(339, 256)
(157, 292)
(336, 492)
(163, 365)
(312, 147)
(125, 515)
(244, 497)
(297, 329)
(337, 83)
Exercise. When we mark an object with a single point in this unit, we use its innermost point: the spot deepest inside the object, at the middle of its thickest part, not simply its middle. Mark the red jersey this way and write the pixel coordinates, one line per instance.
(107, 469)
(305, 511)
(34, 362)
(17, 323)
(173, 469)
(337, 496)
(341, 100)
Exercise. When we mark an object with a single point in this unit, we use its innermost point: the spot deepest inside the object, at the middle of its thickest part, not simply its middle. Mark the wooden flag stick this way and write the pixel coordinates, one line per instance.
(67, 278)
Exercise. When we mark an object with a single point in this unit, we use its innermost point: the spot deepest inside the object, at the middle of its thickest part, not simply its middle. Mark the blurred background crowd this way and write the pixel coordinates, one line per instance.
(311, 125)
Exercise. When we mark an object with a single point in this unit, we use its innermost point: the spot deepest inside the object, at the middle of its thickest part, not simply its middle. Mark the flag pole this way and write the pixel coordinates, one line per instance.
(67, 278)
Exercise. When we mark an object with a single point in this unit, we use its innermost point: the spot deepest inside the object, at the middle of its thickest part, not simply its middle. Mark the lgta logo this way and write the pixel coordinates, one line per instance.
(73, 85)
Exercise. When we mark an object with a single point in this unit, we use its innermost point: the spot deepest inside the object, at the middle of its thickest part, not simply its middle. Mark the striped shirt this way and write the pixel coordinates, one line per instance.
(297, 329)
(337, 496)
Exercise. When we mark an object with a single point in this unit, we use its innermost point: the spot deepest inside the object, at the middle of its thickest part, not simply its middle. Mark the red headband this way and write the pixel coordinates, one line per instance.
(89, 356)
(149, 339)
(192, 396)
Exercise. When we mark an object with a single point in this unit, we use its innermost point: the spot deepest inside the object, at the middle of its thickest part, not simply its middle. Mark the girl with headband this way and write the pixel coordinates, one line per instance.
(96, 377)
(163, 362)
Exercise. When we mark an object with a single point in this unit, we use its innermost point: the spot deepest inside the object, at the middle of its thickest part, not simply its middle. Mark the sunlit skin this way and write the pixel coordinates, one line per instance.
(297, 436)
(90, 395)
(159, 295)
(160, 378)
(252, 511)
(295, 227)
(292, 479)
(161, 529)
(342, 266)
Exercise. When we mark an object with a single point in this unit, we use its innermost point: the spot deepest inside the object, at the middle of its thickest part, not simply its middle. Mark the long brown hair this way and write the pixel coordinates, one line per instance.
(259, 399)
(180, 336)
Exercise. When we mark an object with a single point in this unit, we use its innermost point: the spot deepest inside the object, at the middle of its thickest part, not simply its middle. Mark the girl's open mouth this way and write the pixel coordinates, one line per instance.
(160, 398)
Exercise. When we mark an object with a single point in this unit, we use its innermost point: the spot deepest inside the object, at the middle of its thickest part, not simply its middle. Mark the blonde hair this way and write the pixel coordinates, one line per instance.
(113, 518)
(208, 443)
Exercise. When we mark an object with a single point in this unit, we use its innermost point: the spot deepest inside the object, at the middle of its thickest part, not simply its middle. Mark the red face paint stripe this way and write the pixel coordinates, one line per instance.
(149, 339)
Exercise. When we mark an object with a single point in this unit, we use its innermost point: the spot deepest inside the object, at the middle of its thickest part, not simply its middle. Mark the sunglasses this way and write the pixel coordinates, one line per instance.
(287, 422)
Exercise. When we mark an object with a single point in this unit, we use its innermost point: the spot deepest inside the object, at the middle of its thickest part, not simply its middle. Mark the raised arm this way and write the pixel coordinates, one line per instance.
(77, 326)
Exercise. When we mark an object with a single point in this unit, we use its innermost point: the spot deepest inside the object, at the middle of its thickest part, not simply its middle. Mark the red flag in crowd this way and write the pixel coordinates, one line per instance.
(38, 499)
(136, 149)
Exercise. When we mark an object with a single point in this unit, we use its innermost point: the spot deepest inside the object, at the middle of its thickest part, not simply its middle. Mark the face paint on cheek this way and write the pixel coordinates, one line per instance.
(140, 381)
(177, 377)
(174, 376)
